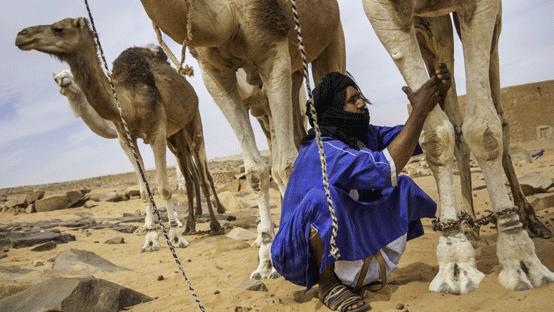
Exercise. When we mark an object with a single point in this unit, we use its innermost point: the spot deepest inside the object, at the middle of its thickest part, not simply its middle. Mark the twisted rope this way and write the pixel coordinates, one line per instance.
(136, 156)
(183, 70)
(334, 222)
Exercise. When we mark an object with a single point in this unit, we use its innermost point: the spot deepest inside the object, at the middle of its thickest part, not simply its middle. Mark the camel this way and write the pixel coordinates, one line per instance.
(395, 23)
(82, 109)
(257, 36)
(159, 106)
(104, 128)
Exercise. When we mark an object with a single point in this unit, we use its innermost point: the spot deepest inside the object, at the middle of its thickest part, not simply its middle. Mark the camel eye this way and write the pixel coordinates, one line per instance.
(57, 29)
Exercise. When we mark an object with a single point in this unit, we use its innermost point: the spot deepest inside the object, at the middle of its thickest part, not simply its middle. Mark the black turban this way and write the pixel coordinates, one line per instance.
(329, 97)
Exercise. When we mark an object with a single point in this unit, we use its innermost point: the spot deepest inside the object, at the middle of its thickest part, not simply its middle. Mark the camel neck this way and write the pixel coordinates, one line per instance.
(93, 82)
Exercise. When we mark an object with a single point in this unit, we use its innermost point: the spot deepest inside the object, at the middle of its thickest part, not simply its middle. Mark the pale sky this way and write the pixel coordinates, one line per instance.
(41, 141)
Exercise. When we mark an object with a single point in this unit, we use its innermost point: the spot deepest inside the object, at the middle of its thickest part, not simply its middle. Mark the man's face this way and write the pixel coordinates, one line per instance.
(353, 102)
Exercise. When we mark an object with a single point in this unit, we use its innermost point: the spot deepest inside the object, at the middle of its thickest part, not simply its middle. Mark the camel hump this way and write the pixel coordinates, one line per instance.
(132, 66)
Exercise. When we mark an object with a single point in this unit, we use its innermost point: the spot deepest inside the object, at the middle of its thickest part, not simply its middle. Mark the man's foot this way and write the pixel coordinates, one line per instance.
(339, 298)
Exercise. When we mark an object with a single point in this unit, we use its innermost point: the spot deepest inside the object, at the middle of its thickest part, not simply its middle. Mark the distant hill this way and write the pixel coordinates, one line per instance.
(529, 109)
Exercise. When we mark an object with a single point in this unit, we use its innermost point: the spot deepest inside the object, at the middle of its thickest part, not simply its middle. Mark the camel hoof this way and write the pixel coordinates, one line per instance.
(537, 229)
(457, 273)
(521, 269)
(255, 276)
(274, 274)
(151, 242)
(216, 229)
(177, 239)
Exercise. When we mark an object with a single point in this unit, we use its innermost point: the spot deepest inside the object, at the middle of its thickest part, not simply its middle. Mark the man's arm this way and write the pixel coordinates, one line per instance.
(423, 101)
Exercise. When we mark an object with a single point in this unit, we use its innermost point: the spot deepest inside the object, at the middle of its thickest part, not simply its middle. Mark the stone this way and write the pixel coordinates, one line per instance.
(37, 263)
(115, 240)
(3, 255)
(23, 239)
(10, 287)
(83, 294)
(254, 285)
(90, 204)
(46, 246)
(542, 201)
(30, 208)
(82, 260)
(124, 228)
(32, 197)
(536, 182)
(239, 233)
(229, 200)
(115, 197)
(400, 306)
(132, 191)
(160, 278)
(57, 202)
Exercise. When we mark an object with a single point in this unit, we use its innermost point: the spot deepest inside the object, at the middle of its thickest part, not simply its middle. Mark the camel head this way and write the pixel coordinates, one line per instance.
(65, 81)
(60, 39)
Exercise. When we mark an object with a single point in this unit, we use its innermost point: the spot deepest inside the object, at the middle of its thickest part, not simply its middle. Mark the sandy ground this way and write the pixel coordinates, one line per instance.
(218, 263)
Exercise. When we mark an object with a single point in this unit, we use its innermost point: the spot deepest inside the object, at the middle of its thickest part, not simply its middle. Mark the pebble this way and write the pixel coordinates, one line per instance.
(400, 306)
(216, 292)
(160, 278)
(38, 263)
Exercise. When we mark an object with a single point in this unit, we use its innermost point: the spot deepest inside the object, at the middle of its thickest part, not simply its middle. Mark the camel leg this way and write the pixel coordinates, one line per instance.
(222, 86)
(297, 117)
(151, 240)
(392, 22)
(159, 146)
(333, 58)
(200, 154)
(482, 128)
(436, 42)
(195, 172)
(179, 177)
(526, 212)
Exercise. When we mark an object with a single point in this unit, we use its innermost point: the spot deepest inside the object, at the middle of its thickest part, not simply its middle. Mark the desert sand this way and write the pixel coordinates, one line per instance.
(217, 265)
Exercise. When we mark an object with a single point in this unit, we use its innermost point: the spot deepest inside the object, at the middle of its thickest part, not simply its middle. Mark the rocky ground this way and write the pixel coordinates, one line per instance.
(53, 236)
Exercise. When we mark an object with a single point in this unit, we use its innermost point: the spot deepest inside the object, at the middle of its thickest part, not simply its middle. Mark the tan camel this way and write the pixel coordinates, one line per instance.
(159, 106)
(479, 23)
(82, 109)
(257, 36)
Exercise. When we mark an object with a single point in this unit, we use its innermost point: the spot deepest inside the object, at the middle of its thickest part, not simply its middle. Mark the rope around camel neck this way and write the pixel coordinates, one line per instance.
(334, 223)
(136, 156)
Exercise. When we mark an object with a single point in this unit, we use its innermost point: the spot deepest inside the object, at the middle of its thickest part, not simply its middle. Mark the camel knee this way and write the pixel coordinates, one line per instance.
(438, 144)
(484, 139)
(258, 177)
(165, 193)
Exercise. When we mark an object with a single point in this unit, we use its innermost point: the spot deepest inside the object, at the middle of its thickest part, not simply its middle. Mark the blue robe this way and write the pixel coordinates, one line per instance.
(383, 207)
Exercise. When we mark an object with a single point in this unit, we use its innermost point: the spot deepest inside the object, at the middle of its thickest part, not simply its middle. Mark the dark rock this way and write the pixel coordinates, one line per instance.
(534, 183)
(160, 278)
(400, 306)
(115, 240)
(23, 239)
(83, 260)
(216, 292)
(124, 228)
(84, 294)
(46, 246)
(254, 285)
(34, 196)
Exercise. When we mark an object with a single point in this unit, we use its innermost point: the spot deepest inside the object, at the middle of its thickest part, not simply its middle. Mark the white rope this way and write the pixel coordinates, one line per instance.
(138, 163)
(334, 223)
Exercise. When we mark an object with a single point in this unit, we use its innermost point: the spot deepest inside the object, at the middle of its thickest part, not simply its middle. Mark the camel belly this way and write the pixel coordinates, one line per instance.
(433, 8)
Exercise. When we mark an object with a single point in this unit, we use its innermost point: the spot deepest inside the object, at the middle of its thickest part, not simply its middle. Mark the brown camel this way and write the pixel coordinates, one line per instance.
(257, 36)
(159, 106)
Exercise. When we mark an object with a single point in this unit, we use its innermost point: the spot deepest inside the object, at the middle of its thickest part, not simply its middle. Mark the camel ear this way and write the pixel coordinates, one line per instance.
(80, 22)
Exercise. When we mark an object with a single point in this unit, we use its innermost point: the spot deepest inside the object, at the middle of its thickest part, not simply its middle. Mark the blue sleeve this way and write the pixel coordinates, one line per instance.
(359, 169)
(381, 136)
